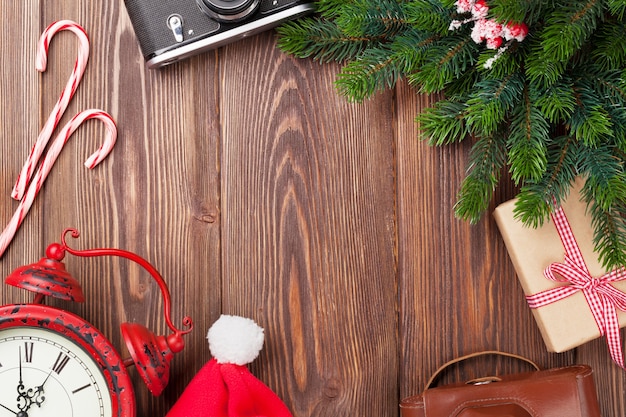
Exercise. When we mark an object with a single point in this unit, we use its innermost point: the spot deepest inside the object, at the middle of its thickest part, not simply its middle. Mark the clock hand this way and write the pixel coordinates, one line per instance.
(23, 400)
(8, 409)
(40, 387)
(19, 353)
(37, 397)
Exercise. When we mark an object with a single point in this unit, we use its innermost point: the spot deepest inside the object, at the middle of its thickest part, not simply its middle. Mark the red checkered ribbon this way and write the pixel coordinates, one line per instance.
(602, 297)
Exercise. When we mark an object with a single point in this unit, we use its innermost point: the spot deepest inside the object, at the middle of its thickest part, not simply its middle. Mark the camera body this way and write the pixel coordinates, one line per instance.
(170, 30)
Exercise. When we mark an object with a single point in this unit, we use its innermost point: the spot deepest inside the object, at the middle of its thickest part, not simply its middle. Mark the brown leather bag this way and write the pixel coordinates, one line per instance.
(558, 392)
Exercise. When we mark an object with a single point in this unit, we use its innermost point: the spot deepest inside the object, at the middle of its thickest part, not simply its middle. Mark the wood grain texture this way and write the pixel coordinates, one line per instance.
(307, 184)
(256, 190)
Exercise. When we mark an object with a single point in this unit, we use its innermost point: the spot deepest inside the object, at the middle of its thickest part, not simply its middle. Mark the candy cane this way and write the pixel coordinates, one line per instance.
(45, 167)
(64, 99)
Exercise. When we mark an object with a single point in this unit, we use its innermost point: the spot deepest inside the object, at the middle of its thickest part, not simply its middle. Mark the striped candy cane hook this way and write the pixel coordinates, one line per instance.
(59, 108)
(45, 167)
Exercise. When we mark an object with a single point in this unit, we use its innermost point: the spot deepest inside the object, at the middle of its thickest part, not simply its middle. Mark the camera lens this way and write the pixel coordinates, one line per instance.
(228, 10)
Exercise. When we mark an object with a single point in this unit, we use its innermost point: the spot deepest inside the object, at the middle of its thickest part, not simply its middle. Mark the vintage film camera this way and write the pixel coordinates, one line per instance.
(170, 30)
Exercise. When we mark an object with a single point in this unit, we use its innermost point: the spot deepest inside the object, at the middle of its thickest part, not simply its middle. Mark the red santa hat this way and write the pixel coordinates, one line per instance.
(224, 387)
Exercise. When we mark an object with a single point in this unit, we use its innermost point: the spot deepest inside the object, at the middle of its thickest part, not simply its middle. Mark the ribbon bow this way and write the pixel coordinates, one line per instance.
(602, 297)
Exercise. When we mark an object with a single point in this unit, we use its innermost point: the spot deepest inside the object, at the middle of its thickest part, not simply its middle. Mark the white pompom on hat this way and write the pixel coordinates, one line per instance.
(234, 339)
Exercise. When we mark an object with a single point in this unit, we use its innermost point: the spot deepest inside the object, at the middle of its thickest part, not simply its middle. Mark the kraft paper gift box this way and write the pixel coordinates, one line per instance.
(569, 322)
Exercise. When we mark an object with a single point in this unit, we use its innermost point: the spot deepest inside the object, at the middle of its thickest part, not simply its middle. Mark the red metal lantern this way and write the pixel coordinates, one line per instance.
(51, 351)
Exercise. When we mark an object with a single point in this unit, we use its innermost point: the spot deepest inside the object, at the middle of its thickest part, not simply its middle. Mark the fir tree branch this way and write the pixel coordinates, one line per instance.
(535, 200)
(528, 11)
(382, 19)
(605, 194)
(509, 62)
(428, 15)
(528, 138)
(604, 173)
(490, 103)
(375, 70)
(322, 40)
(446, 59)
(617, 8)
(542, 70)
(557, 102)
(608, 238)
(443, 123)
(381, 67)
(569, 26)
(329, 9)
(590, 122)
(609, 46)
(609, 85)
(486, 160)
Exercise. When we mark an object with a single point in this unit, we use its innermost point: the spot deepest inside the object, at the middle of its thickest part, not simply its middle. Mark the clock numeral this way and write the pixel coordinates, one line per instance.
(28, 351)
(60, 363)
(81, 388)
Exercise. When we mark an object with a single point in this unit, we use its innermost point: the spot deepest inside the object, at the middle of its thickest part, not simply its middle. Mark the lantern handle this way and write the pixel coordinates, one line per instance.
(187, 321)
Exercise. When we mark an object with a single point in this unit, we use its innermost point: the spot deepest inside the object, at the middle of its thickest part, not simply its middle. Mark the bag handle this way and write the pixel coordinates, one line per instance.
(473, 355)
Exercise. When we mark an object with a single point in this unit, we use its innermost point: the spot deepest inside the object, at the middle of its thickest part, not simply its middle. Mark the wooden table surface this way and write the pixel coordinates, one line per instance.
(256, 190)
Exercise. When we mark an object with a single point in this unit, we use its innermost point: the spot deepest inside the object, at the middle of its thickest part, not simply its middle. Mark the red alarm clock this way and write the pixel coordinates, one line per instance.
(54, 363)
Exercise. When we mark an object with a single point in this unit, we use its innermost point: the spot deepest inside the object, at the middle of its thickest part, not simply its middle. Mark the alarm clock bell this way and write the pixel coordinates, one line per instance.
(151, 354)
(48, 277)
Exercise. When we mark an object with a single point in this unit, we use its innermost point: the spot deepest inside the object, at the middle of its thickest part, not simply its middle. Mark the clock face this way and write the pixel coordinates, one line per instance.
(48, 372)
(53, 363)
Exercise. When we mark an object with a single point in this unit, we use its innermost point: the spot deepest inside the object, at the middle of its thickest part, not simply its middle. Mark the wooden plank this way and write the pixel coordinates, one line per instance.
(308, 230)
(19, 121)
